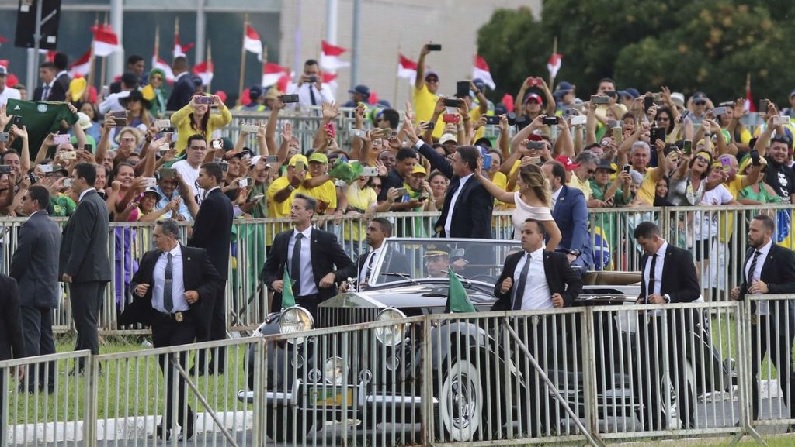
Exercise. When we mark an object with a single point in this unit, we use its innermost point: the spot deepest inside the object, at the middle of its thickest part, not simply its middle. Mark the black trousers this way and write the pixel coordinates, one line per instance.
(168, 332)
(217, 331)
(38, 340)
(86, 300)
(773, 335)
(675, 329)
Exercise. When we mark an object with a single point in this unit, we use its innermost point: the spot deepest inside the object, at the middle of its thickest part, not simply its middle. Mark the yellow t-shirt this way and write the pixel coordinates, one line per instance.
(585, 187)
(502, 181)
(277, 210)
(361, 199)
(424, 104)
(474, 116)
(726, 224)
(647, 187)
(326, 193)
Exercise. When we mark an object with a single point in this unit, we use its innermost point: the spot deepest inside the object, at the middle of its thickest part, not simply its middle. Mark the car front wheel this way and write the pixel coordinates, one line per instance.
(461, 401)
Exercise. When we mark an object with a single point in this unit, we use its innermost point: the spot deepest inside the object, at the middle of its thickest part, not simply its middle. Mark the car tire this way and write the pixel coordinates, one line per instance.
(460, 412)
(286, 424)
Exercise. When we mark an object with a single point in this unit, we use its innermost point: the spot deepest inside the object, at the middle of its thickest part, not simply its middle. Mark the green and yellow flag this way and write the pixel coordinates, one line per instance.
(288, 299)
(457, 299)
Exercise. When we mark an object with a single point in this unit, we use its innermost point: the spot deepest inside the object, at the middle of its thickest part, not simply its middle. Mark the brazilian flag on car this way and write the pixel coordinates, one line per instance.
(457, 298)
(288, 299)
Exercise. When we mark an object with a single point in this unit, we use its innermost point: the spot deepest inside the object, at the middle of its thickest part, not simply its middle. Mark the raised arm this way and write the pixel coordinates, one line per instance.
(420, 78)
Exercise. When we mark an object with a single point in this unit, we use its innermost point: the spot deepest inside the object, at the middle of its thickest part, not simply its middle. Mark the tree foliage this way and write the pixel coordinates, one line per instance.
(709, 45)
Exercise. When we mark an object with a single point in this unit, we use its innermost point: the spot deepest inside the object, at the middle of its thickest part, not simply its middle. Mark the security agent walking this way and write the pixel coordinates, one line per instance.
(38, 243)
(668, 276)
(11, 344)
(83, 261)
(212, 231)
(314, 259)
(173, 291)
(769, 268)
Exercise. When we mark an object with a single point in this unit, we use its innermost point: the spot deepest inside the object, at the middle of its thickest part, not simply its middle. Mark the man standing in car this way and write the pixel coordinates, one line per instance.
(668, 276)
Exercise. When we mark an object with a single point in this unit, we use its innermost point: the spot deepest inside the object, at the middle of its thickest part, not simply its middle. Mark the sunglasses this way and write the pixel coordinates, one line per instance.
(700, 102)
(431, 80)
(704, 159)
(591, 171)
(376, 185)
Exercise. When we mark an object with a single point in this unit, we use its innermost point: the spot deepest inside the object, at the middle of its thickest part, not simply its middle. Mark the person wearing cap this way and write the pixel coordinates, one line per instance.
(90, 130)
(607, 194)
(281, 191)
(437, 260)
(532, 103)
(256, 100)
(51, 89)
(195, 119)
(565, 95)
(359, 94)
(448, 142)
(775, 146)
(270, 98)
(310, 89)
(148, 206)
(137, 107)
(698, 106)
(6, 92)
(326, 192)
(426, 94)
(155, 93)
(570, 212)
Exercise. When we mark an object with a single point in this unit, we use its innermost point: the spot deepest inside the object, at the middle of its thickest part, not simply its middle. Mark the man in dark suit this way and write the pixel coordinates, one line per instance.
(184, 88)
(378, 230)
(50, 89)
(571, 214)
(61, 62)
(310, 255)
(38, 243)
(174, 288)
(769, 268)
(669, 276)
(11, 344)
(83, 261)
(212, 231)
(467, 204)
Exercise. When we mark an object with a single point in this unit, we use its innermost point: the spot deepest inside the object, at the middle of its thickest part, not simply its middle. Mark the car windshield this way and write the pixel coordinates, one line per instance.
(473, 259)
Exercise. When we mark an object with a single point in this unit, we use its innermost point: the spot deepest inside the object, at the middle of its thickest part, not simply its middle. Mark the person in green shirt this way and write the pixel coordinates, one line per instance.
(155, 92)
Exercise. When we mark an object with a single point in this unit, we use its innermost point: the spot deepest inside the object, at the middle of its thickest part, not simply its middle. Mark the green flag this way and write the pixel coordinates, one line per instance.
(457, 299)
(40, 118)
(288, 300)
(348, 172)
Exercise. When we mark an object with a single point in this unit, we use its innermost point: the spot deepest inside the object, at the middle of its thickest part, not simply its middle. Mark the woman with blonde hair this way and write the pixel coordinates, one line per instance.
(532, 200)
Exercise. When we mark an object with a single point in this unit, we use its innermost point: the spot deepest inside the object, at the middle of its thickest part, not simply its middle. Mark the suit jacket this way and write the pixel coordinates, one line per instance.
(84, 248)
(561, 278)
(11, 345)
(327, 254)
(778, 271)
(57, 92)
(64, 80)
(679, 280)
(571, 215)
(198, 274)
(396, 263)
(182, 93)
(212, 230)
(472, 213)
(39, 242)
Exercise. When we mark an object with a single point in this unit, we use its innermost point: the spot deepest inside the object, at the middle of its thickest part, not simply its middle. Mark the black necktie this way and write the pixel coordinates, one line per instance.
(295, 265)
(45, 92)
(368, 265)
(312, 95)
(520, 286)
(168, 301)
(650, 285)
(751, 270)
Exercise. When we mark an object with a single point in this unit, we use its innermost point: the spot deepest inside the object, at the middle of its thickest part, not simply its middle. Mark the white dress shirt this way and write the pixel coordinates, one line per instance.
(305, 98)
(369, 263)
(536, 290)
(46, 90)
(555, 196)
(448, 222)
(307, 284)
(83, 194)
(113, 102)
(762, 307)
(656, 287)
(190, 175)
(177, 283)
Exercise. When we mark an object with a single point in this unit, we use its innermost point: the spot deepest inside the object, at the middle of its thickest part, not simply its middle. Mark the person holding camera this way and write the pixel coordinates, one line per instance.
(425, 94)
(196, 119)
(310, 89)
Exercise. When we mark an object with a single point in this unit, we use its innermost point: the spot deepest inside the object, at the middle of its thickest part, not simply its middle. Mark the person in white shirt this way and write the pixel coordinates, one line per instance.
(310, 89)
(189, 168)
(6, 92)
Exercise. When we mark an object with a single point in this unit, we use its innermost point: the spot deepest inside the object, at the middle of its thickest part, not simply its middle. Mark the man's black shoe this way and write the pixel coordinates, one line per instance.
(164, 434)
(188, 431)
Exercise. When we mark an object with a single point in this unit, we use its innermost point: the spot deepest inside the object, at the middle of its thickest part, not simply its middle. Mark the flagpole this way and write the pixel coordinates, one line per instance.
(243, 57)
(554, 51)
(209, 64)
(176, 33)
(395, 91)
(91, 70)
(104, 66)
(265, 61)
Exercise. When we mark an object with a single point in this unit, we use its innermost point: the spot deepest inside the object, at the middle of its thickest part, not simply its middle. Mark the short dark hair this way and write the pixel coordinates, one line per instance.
(9, 151)
(539, 224)
(214, 169)
(392, 116)
(180, 62)
(170, 227)
(311, 202)
(195, 137)
(134, 59)
(61, 61)
(607, 79)
(41, 195)
(767, 222)
(646, 230)
(47, 64)
(469, 155)
(384, 224)
(86, 171)
(310, 62)
(406, 152)
(558, 170)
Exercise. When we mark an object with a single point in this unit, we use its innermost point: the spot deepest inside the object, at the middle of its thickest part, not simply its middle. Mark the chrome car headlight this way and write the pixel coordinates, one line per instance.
(333, 371)
(295, 319)
(391, 335)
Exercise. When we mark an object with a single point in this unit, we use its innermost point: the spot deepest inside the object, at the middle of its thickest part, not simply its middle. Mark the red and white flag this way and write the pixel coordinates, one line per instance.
(330, 79)
(205, 70)
(554, 63)
(330, 56)
(4, 63)
(252, 42)
(407, 68)
(271, 73)
(481, 71)
(82, 66)
(163, 65)
(106, 42)
(179, 49)
(749, 99)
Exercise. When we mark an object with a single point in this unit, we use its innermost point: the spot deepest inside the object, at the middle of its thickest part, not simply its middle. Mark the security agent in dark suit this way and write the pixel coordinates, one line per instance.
(467, 204)
(184, 88)
(38, 243)
(570, 212)
(535, 279)
(769, 268)
(174, 288)
(378, 230)
(314, 259)
(669, 276)
(11, 344)
(50, 89)
(83, 261)
(212, 231)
